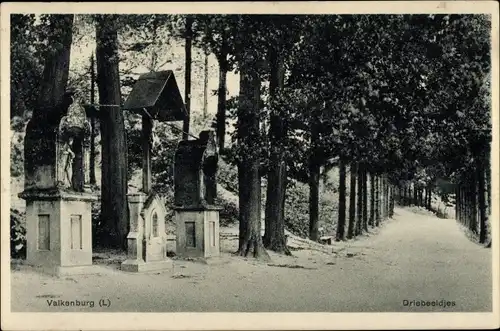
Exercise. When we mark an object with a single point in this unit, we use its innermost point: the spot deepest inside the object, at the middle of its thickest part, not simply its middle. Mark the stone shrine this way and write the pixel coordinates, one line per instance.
(57, 192)
(155, 96)
(196, 215)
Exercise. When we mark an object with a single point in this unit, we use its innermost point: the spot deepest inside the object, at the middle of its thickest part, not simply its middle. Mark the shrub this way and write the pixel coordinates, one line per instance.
(229, 213)
(17, 234)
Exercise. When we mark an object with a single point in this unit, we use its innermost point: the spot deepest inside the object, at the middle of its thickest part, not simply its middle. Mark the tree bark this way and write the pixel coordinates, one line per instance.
(359, 205)
(377, 201)
(365, 200)
(114, 212)
(274, 237)
(474, 204)
(93, 133)
(56, 66)
(221, 96)
(372, 200)
(205, 85)
(415, 195)
(187, 75)
(408, 194)
(314, 172)
(352, 201)
(481, 204)
(250, 239)
(342, 200)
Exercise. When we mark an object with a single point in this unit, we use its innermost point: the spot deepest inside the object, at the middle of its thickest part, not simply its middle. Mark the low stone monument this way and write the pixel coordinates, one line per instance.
(155, 96)
(196, 215)
(57, 192)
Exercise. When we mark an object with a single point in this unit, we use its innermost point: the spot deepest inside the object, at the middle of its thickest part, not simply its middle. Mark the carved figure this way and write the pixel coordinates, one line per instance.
(68, 156)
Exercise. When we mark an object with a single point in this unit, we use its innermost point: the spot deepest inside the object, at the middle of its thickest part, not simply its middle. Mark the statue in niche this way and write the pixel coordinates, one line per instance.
(72, 149)
(68, 156)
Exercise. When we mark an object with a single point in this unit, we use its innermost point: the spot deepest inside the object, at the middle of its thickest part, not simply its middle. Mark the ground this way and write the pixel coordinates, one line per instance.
(414, 256)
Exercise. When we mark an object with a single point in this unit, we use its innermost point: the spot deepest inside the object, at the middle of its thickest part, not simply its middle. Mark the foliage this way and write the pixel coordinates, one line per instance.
(17, 234)
(26, 63)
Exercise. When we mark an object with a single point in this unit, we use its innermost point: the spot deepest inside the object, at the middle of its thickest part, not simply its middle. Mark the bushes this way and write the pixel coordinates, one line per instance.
(17, 234)
(227, 176)
(229, 213)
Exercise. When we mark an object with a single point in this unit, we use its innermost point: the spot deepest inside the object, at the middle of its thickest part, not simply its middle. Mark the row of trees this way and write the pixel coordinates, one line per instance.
(316, 92)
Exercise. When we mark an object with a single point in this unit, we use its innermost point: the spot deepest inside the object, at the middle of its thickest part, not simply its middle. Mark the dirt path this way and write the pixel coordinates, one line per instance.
(412, 257)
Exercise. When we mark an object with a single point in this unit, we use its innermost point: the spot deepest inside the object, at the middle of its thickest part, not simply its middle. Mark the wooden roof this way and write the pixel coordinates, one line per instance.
(158, 93)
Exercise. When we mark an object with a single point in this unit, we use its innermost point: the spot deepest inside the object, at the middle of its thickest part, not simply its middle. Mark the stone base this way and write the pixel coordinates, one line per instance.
(59, 231)
(197, 232)
(141, 266)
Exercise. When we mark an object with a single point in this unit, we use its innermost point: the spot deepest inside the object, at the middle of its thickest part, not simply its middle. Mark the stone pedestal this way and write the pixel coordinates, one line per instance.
(197, 231)
(146, 241)
(59, 231)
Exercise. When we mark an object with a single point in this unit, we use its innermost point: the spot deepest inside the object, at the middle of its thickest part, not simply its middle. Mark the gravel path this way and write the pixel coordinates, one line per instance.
(412, 257)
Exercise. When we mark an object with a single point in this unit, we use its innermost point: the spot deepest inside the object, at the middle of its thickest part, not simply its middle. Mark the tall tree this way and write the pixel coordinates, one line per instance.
(352, 201)
(365, 199)
(314, 177)
(274, 237)
(93, 132)
(187, 75)
(248, 133)
(205, 76)
(57, 55)
(359, 206)
(372, 200)
(342, 202)
(114, 207)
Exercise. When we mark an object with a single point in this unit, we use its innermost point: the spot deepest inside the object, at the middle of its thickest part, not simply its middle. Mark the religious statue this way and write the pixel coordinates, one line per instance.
(72, 149)
(68, 155)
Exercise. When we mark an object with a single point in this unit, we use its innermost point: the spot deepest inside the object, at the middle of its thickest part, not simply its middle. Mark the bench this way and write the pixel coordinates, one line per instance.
(326, 240)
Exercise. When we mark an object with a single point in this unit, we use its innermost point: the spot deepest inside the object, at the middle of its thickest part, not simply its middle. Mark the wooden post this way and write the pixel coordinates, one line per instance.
(147, 128)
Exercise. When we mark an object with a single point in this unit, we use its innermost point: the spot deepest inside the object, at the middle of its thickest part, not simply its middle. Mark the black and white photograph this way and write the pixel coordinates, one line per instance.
(258, 157)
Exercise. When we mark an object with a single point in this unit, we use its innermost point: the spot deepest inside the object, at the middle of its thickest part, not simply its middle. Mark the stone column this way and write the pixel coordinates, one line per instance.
(135, 247)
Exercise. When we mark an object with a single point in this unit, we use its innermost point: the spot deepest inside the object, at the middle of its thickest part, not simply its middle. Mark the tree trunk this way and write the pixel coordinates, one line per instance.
(342, 201)
(415, 195)
(377, 201)
(372, 200)
(426, 197)
(359, 206)
(56, 66)
(314, 172)
(408, 194)
(382, 198)
(274, 237)
(481, 204)
(387, 197)
(92, 178)
(250, 239)
(467, 203)
(187, 76)
(352, 201)
(464, 204)
(474, 204)
(114, 207)
(391, 201)
(487, 175)
(221, 98)
(205, 85)
(365, 200)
